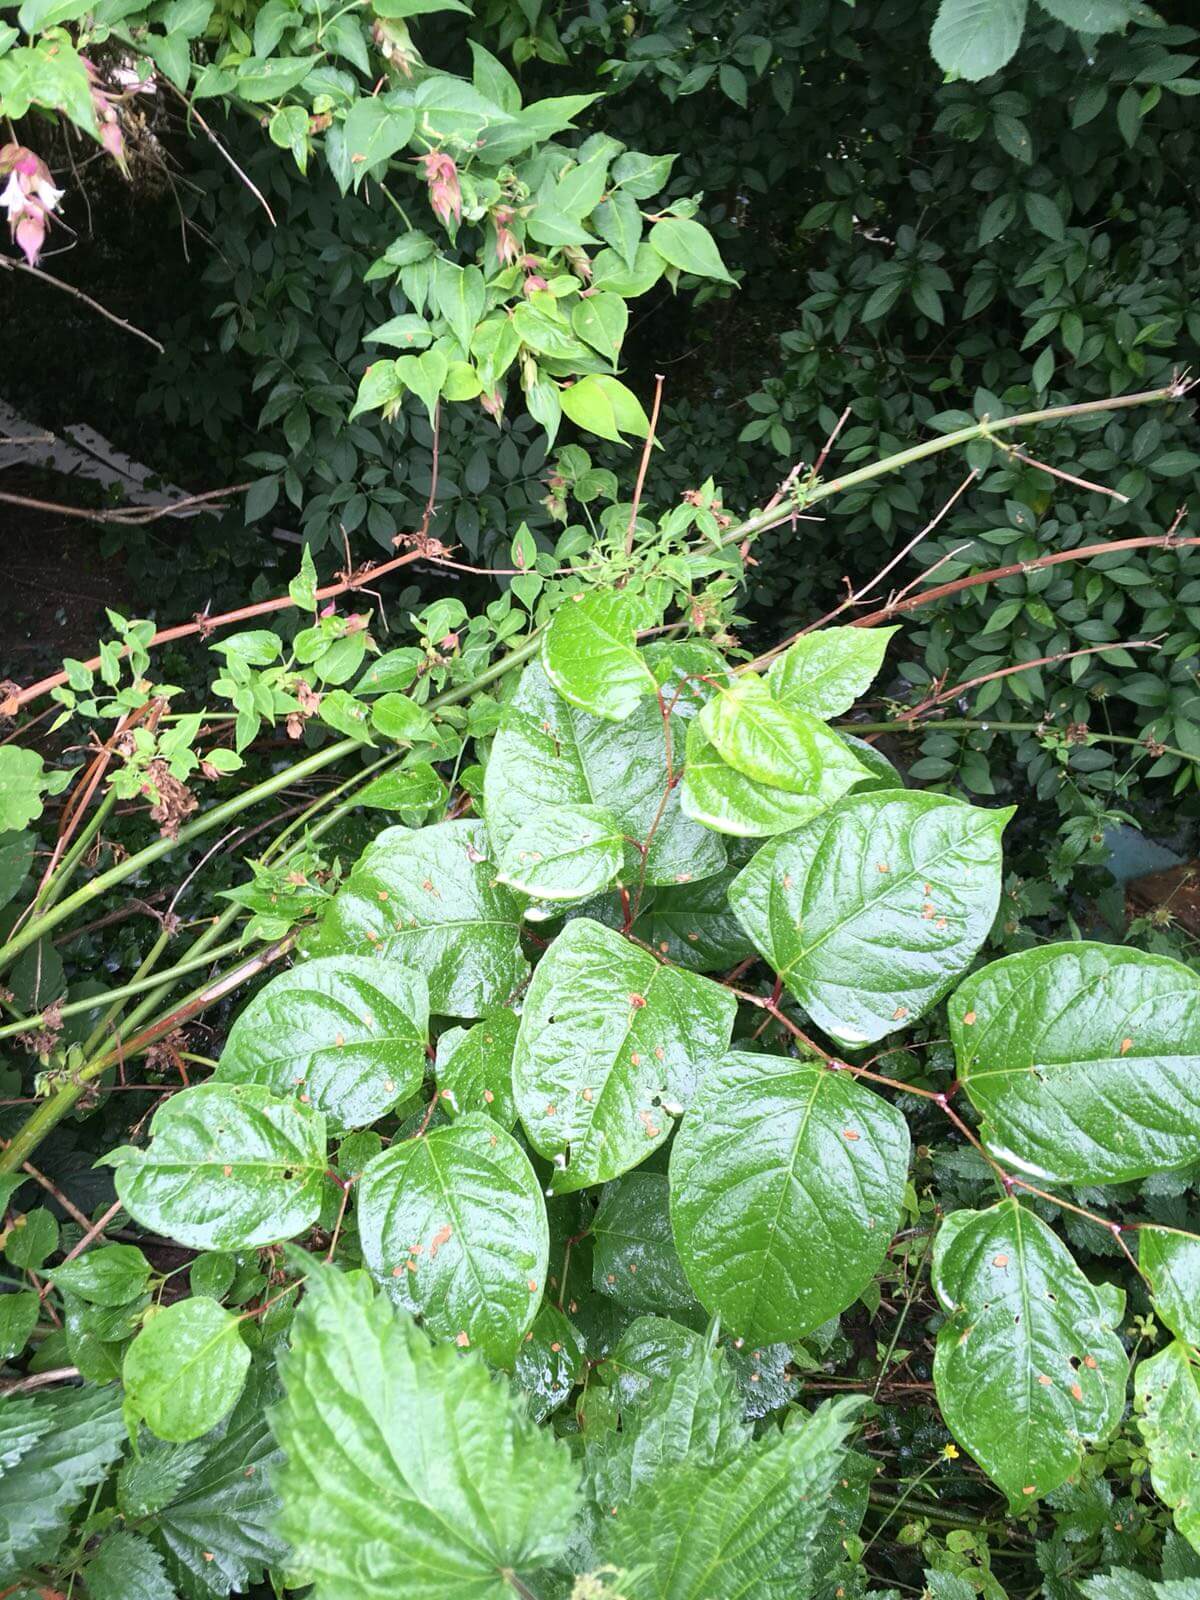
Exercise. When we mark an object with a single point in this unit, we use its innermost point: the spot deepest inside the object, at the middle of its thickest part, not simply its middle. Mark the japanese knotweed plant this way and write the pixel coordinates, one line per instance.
(569, 1114)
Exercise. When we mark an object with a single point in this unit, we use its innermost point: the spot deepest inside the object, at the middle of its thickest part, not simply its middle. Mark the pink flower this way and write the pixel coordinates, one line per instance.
(533, 283)
(29, 197)
(493, 404)
(445, 196)
(107, 121)
(507, 245)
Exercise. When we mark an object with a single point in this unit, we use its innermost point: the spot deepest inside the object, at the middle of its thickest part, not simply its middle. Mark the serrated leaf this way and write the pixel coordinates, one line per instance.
(23, 1421)
(186, 1369)
(787, 1181)
(689, 246)
(127, 1567)
(633, 1252)
(430, 899)
(1167, 1390)
(344, 1034)
(590, 654)
(474, 1067)
(607, 1037)
(1170, 1262)
(974, 38)
(548, 753)
(726, 800)
(743, 1526)
(565, 854)
(825, 672)
(431, 1480)
(228, 1167)
(39, 1494)
(1090, 16)
(1083, 1060)
(775, 744)
(453, 1225)
(869, 913)
(1028, 1368)
(692, 925)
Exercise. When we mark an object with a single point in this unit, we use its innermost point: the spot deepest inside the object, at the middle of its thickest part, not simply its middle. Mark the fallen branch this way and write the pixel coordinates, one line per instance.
(110, 316)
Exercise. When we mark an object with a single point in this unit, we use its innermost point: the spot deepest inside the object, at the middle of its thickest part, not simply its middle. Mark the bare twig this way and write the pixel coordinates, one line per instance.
(39, 1380)
(126, 516)
(192, 112)
(110, 316)
(644, 463)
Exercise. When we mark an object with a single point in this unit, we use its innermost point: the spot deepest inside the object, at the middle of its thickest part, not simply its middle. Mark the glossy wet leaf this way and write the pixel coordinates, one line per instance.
(1028, 1368)
(185, 1370)
(548, 754)
(344, 1034)
(774, 743)
(453, 1225)
(691, 925)
(720, 797)
(1083, 1060)
(411, 792)
(53, 1472)
(1167, 1391)
(633, 1252)
(590, 653)
(610, 1039)
(869, 913)
(474, 1067)
(228, 1167)
(565, 854)
(109, 1275)
(430, 899)
(551, 1361)
(1170, 1261)
(786, 1187)
(825, 672)
(431, 1480)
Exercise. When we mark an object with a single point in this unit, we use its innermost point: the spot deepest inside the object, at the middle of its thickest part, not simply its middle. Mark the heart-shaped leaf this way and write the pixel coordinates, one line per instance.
(825, 672)
(1028, 1368)
(719, 796)
(228, 1167)
(591, 656)
(1084, 1060)
(611, 1043)
(345, 1034)
(565, 854)
(787, 1180)
(868, 913)
(773, 743)
(453, 1225)
(186, 1369)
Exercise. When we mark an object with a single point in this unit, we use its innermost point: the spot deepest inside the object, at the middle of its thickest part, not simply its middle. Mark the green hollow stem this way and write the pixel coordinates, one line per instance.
(982, 429)
(148, 964)
(66, 867)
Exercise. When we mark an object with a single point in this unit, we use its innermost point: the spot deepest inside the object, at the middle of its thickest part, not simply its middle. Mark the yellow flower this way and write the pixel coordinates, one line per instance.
(950, 1451)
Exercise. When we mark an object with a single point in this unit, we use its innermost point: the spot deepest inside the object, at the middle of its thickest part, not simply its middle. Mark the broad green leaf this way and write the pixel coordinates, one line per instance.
(430, 1480)
(619, 223)
(825, 672)
(344, 1034)
(1123, 1583)
(127, 1567)
(110, 1276)
(1028, 1368)
(633, 1252)
(743, 1526)
(460, 297)
(610, 1039)
(579, 189)
(429, 898)
(611, 271)
(604, 406)
(41, 1490)
(601, 321)
(691, 925)
(453, 1225)
(407, 332)
(974, 38)
(19, 1313)
(260, 79)
(549, 754)
(551, 1361)
(23, 782)
(411, 792)
(1167, 1391)
(715, 794)
(775, 744)
(1170, 1262)
(1083, 1060)
(186, 1369)
(209, 1506)
(380, 385)
(590, 654)
(869, 913)
(787, 1181)
(228, 1167)
(642, 175)
(397, 717)
(689, 246)
(1090, 16)
(474, 1067)
(16, 857)
(566, 854)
